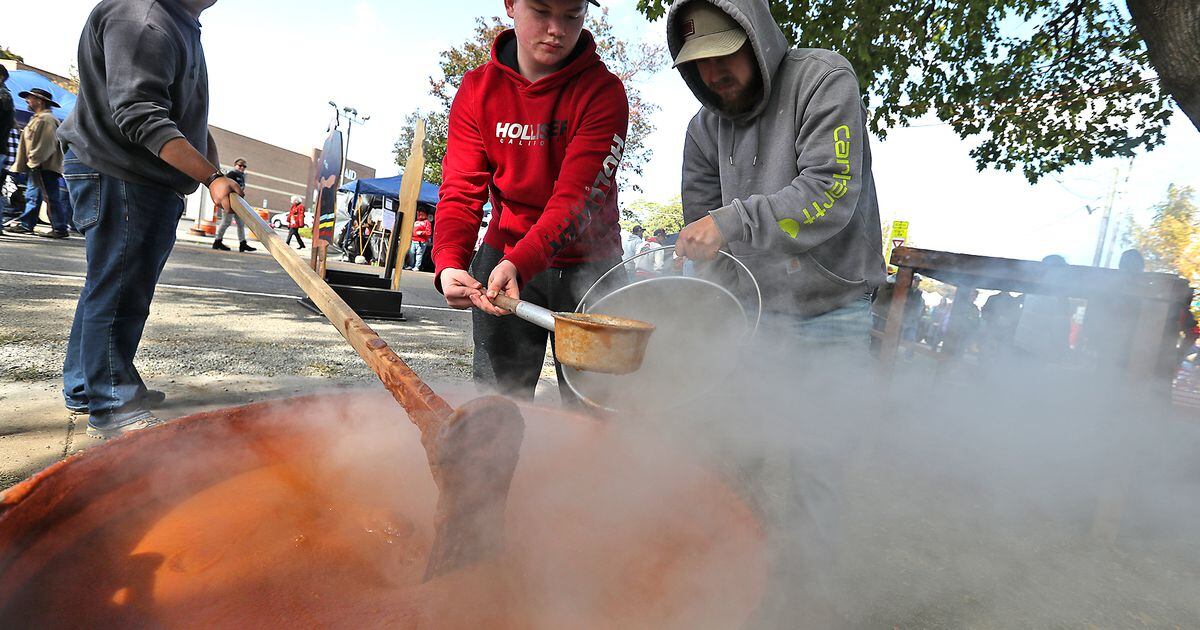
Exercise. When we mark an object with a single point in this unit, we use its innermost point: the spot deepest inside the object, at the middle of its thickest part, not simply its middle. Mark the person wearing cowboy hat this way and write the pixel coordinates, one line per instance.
(39, 156)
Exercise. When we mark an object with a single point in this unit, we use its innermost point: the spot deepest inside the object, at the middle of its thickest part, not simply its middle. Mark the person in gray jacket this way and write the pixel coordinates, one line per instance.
(777, 170)
(777, 167)
(137, 144)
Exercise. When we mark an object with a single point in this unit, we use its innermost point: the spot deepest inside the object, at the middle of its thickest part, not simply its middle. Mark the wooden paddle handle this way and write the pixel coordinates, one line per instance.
(505, 302)
(424, 407)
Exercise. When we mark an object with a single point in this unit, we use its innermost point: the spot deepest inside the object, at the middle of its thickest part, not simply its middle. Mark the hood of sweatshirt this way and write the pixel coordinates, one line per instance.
(582, 58)
(788, 182)
(766, 40)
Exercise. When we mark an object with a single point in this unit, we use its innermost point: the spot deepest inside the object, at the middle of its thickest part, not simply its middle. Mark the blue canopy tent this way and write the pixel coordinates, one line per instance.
(390, 187)
(25, 80)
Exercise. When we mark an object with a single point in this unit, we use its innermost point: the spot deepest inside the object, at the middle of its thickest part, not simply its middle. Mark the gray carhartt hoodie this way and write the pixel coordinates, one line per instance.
(789, 181)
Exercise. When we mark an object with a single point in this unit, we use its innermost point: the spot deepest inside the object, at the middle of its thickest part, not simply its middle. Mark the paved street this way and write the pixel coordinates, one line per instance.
(193, 263)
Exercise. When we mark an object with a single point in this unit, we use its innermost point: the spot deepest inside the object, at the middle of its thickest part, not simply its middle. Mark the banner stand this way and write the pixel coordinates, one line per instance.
(370, 295)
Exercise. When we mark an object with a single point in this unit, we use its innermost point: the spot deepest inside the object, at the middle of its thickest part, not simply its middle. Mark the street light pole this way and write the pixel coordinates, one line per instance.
(352, 118)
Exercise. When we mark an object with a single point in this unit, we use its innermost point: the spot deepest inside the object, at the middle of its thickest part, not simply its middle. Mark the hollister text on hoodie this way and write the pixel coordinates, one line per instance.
(545, 153)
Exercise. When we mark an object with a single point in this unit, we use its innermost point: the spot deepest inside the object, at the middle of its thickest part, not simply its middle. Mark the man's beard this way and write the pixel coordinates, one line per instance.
(744, 100)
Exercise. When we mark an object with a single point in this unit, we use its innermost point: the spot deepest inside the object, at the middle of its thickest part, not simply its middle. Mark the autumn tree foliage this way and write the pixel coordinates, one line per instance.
(1171, 241)
(1037, 85)
(653, 215)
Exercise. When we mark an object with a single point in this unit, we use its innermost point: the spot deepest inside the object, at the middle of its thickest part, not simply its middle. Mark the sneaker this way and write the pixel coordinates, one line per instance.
(129, 421)
(17, 228)
(246, 248)
(217, 244)
(152, 398)
(75, 407)
(55, 234)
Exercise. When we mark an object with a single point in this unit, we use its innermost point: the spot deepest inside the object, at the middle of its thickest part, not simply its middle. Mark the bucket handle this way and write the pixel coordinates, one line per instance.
(581, 308)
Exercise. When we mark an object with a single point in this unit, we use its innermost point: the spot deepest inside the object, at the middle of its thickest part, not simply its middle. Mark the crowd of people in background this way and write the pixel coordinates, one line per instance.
(1047, 329)
(33, 156)
(647, 257)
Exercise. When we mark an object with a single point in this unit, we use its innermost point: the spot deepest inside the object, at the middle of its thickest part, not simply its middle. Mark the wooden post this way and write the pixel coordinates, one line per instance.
(317, 261)
(321, 254)
(410, 190)
(895, 321)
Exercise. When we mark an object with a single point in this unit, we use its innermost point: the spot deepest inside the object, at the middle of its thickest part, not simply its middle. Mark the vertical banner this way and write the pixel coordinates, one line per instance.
(329, 172)
(895, 236)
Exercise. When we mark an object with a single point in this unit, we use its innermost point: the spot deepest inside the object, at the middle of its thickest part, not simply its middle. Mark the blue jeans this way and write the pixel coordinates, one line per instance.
(847, 328)
(417, 251)
(129, 231)
(46, 184)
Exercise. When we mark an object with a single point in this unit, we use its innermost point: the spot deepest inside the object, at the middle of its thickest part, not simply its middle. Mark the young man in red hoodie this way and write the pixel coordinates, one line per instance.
(540, 130)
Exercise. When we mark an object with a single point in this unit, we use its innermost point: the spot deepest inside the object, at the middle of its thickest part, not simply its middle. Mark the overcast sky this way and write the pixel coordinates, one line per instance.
(275, 64)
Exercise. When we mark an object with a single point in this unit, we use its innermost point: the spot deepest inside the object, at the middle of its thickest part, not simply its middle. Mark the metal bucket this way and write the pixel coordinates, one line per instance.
(700, 329)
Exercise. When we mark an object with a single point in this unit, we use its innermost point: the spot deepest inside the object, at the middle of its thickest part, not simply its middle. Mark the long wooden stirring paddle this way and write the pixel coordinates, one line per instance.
(472, 451)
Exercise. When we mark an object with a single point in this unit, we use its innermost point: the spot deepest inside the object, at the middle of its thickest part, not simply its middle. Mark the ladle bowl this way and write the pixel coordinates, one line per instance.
(590, 342)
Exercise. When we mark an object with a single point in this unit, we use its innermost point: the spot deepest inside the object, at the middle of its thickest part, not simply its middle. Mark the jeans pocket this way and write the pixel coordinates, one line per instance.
(83, 186)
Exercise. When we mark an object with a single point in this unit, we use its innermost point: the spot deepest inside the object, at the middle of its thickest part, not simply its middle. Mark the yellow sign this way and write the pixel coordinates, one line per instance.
(895, 236)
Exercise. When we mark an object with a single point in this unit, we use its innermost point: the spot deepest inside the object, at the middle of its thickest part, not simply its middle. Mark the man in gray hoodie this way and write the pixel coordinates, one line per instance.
(138, 143)
(777, 170)
(777, 167)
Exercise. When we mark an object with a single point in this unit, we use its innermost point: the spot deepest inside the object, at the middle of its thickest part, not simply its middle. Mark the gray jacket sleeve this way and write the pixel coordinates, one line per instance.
(701, 177)
(820, 201)
(140, 64)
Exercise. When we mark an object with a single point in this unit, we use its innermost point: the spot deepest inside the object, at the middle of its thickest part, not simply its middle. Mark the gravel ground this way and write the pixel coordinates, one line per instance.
(213, 334)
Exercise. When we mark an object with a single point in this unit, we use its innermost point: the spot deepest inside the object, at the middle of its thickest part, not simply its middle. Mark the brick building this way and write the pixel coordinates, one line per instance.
(274, 175)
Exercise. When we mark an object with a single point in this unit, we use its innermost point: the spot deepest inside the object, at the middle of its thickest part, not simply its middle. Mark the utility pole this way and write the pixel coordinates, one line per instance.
(1102, 240)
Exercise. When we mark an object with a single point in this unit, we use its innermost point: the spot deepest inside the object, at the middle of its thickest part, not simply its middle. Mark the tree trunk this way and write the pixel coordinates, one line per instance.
(1171, 29)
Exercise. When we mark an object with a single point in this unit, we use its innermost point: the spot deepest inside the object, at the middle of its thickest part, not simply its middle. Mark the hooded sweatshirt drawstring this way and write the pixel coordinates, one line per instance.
(733, 139)
(757, 140)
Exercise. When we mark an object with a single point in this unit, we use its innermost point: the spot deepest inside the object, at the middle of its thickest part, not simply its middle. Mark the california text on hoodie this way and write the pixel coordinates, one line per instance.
(545, 152)
(788, 181)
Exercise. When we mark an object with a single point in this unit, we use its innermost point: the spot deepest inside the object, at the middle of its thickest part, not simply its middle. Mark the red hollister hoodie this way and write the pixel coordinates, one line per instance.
(546, 153)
